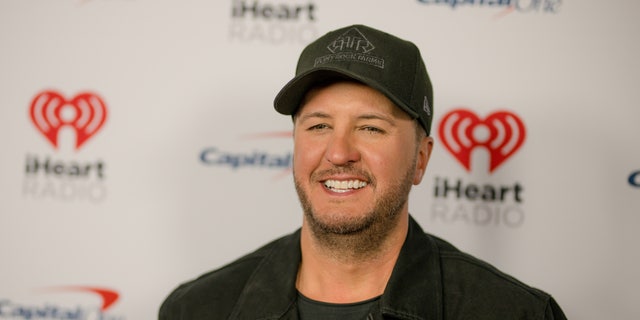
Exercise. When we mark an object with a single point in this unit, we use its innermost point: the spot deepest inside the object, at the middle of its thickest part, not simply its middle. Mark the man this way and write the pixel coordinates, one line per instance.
(361, 103)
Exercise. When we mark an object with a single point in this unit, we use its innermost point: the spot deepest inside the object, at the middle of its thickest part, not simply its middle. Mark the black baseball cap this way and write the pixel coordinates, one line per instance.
(380, 60)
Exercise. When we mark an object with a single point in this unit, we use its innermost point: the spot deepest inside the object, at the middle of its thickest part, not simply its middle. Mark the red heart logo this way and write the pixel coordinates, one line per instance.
(86, 113)
(502, 133)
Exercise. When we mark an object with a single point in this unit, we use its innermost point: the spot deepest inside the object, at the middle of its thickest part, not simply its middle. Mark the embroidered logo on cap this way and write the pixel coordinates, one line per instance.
(351, 46)
(425, 106)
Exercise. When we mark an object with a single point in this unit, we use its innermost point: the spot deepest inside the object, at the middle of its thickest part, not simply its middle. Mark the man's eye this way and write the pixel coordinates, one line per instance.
(319, 126)
(372, 129)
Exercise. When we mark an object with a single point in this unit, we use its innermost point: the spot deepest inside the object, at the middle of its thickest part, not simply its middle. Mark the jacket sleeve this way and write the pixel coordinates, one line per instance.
(170, 308)
(554, 312)
(165, 312)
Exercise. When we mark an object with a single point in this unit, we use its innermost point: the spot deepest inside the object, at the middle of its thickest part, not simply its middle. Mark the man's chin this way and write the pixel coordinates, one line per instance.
(339, 225)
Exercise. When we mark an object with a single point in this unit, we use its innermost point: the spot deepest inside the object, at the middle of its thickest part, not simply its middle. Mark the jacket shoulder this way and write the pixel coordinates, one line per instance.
(476, 287)
(213, 294)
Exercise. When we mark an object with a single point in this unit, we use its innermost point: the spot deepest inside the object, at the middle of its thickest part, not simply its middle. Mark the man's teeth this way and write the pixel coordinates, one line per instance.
(344, 185)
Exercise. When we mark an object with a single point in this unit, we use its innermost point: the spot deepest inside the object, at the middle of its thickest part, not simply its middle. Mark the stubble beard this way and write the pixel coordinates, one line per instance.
(348, 237)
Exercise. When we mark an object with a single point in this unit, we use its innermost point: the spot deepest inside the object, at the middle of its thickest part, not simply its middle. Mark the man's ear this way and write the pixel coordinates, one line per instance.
(423, 154)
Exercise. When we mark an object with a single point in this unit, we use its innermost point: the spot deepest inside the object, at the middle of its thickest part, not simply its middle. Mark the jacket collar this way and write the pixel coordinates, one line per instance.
(270, 292)
(414, 290)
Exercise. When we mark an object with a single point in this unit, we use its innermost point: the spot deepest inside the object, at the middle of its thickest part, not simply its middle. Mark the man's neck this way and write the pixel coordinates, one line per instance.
(333, 275)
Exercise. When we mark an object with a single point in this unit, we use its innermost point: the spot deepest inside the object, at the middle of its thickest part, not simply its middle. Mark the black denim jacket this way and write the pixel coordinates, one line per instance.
(431, 280)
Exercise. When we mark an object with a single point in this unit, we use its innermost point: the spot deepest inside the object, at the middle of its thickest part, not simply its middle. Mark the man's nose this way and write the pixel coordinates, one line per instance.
(342, 149)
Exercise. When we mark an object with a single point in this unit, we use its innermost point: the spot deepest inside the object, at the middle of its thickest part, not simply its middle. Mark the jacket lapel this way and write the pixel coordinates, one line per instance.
(415, 288)
(270, 292)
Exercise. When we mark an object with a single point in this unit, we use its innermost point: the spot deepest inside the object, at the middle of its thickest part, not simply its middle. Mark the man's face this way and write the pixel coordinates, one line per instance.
(356, 156)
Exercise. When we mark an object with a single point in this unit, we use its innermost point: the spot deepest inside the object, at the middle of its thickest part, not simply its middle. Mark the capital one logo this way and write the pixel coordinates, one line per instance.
(17, 310)
(215, 156)
(107, 296)
(501, 133)
(85, 113)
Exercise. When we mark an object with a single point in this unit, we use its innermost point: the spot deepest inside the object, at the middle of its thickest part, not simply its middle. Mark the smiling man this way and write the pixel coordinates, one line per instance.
(361, 103)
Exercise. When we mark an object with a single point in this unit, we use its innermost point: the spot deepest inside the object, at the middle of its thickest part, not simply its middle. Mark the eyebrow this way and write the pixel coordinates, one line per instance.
(376, 116)
(316, 114)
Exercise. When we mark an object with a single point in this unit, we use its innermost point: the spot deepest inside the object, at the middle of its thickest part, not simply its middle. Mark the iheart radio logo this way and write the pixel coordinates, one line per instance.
(502, 133)
(85, 113)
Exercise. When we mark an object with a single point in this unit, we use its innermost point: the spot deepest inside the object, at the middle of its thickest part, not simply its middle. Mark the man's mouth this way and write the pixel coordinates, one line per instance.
(344, 185)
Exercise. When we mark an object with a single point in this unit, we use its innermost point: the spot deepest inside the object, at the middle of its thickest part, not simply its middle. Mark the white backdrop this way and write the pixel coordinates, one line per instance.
(189, 167)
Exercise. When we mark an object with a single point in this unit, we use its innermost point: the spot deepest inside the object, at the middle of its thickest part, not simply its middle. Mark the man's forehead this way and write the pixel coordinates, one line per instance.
(331, 95)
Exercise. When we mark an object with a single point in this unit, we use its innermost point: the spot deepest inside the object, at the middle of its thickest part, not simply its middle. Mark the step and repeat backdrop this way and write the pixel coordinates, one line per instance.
(140, 148)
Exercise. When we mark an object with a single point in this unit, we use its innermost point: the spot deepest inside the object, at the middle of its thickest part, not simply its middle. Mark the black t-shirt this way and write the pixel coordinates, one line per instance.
(309, 309)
